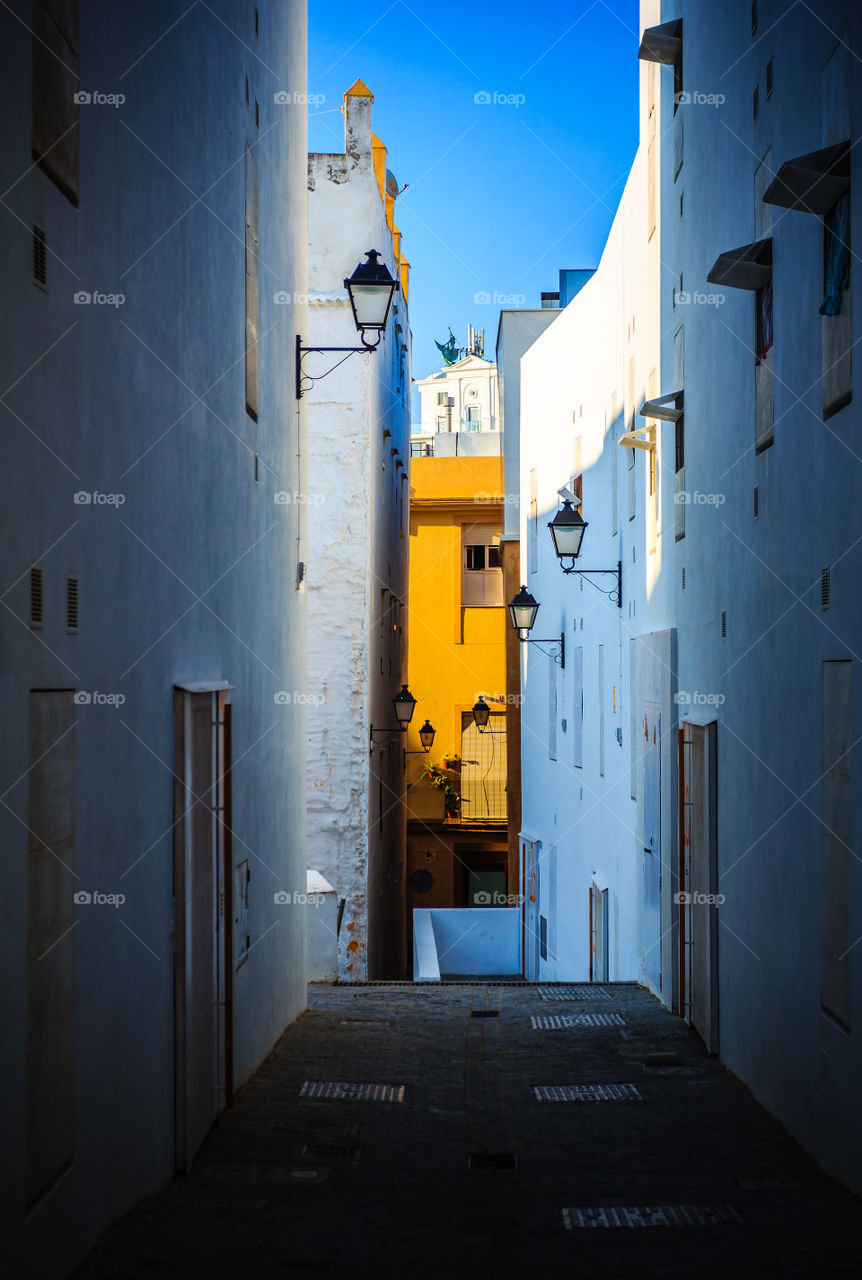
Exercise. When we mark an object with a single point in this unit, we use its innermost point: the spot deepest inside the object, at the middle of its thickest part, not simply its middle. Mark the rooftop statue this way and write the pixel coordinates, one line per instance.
(450, 351)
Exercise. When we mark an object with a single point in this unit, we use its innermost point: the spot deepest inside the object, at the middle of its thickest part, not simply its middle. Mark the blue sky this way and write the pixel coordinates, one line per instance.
(501, 194)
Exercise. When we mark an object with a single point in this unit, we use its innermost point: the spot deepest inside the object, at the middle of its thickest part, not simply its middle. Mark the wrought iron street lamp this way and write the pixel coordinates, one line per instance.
(481, 712)
(567, 533)
(522, 612)
(426, 736)
(371, 290)
(404, 704)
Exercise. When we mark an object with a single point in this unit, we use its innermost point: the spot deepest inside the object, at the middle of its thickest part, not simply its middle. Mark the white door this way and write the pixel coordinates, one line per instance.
(200, 923)
(650, 919)
(530, 851)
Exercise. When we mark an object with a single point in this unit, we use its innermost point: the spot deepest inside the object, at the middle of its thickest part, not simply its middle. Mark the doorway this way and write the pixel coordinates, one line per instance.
(598, 933)
(531, 942)
(650, 916)
(202, 914)
(699, 898)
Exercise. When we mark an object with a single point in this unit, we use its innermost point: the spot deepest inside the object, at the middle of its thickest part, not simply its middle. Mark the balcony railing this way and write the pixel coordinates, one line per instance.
(472, 424)
(422, 449)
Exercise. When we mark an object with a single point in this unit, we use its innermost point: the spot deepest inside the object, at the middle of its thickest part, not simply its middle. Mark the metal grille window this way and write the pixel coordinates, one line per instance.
(71, 604)
(37, 597)
(40, 257)
(483, 769)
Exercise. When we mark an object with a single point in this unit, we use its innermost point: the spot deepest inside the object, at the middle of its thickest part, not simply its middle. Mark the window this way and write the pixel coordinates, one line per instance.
(482, 577)
(441, 397)
(483, 768)
(54, 137)
(472, 418)
(533, 524)
(252, 283)
(578, 708)
(40, 257)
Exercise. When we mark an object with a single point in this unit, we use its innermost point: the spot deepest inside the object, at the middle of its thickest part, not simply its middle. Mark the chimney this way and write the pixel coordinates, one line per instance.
(358, 101)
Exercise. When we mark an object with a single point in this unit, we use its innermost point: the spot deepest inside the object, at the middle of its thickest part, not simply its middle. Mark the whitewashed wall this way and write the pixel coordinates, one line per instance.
(191, 578)
(359, 425)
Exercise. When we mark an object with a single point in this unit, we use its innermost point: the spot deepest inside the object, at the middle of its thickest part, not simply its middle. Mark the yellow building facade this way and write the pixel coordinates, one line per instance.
(456, 829)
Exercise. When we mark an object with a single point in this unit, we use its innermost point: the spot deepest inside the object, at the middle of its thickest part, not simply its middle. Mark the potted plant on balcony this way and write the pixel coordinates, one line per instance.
(444, 779)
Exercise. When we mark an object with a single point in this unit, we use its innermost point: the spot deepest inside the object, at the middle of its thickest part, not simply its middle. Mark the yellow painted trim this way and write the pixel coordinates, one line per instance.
(359, 90)
(378, 155)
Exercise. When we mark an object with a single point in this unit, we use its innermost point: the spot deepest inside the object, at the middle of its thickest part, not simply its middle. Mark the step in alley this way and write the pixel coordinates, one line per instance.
(495, 1130)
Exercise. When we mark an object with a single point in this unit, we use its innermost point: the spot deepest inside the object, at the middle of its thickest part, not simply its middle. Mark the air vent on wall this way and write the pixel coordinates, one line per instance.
(825, 587)
(37, 602)
(757, 502)
(683, 577)
(40, 257)
(724, 624)
(71, 604)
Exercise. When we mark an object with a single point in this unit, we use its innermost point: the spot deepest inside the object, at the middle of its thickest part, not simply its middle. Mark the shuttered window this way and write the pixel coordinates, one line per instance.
(54, 114)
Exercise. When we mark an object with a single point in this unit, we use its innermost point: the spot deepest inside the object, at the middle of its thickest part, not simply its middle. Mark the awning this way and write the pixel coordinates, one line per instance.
(666, 408)
(662, 44)
(746, 268)
(813, 182)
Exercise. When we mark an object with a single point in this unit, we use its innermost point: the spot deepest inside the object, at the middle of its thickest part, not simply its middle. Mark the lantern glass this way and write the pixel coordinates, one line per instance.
(522, 610)
(371, 289)
(404, 704)
(567, 530)
(481, 711)
(426, 736)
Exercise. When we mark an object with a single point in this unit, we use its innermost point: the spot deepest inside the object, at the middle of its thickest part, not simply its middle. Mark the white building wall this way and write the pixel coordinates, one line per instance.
(516, 332)
(762, 683)
(357, 564)
(471, 383)
(192, 578)
(581, 382)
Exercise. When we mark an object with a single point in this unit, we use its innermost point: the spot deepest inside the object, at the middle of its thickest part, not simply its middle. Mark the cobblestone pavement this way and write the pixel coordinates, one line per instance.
(688, 1176)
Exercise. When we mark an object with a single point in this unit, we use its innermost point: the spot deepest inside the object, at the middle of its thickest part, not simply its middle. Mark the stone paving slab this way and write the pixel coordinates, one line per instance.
(289, 1186)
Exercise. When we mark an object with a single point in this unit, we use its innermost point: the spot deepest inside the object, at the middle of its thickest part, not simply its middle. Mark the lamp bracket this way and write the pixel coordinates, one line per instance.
(557, 650)
(615, 594)
(305, 381)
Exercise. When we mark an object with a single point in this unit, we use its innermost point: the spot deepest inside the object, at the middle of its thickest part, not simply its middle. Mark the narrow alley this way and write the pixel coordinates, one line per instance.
(422, 1130)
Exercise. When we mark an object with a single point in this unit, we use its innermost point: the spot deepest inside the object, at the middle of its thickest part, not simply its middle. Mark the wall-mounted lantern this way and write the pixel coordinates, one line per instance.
(567, 532)
(522, 612)
(370, 289)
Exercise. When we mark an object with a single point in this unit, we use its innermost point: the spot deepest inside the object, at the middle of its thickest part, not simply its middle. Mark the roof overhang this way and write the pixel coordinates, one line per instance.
(662, 43)
(748, 267)
(666, 408)
(812, 183)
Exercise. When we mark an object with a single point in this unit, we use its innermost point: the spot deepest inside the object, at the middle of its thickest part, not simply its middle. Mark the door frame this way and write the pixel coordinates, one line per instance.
(219, 693)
